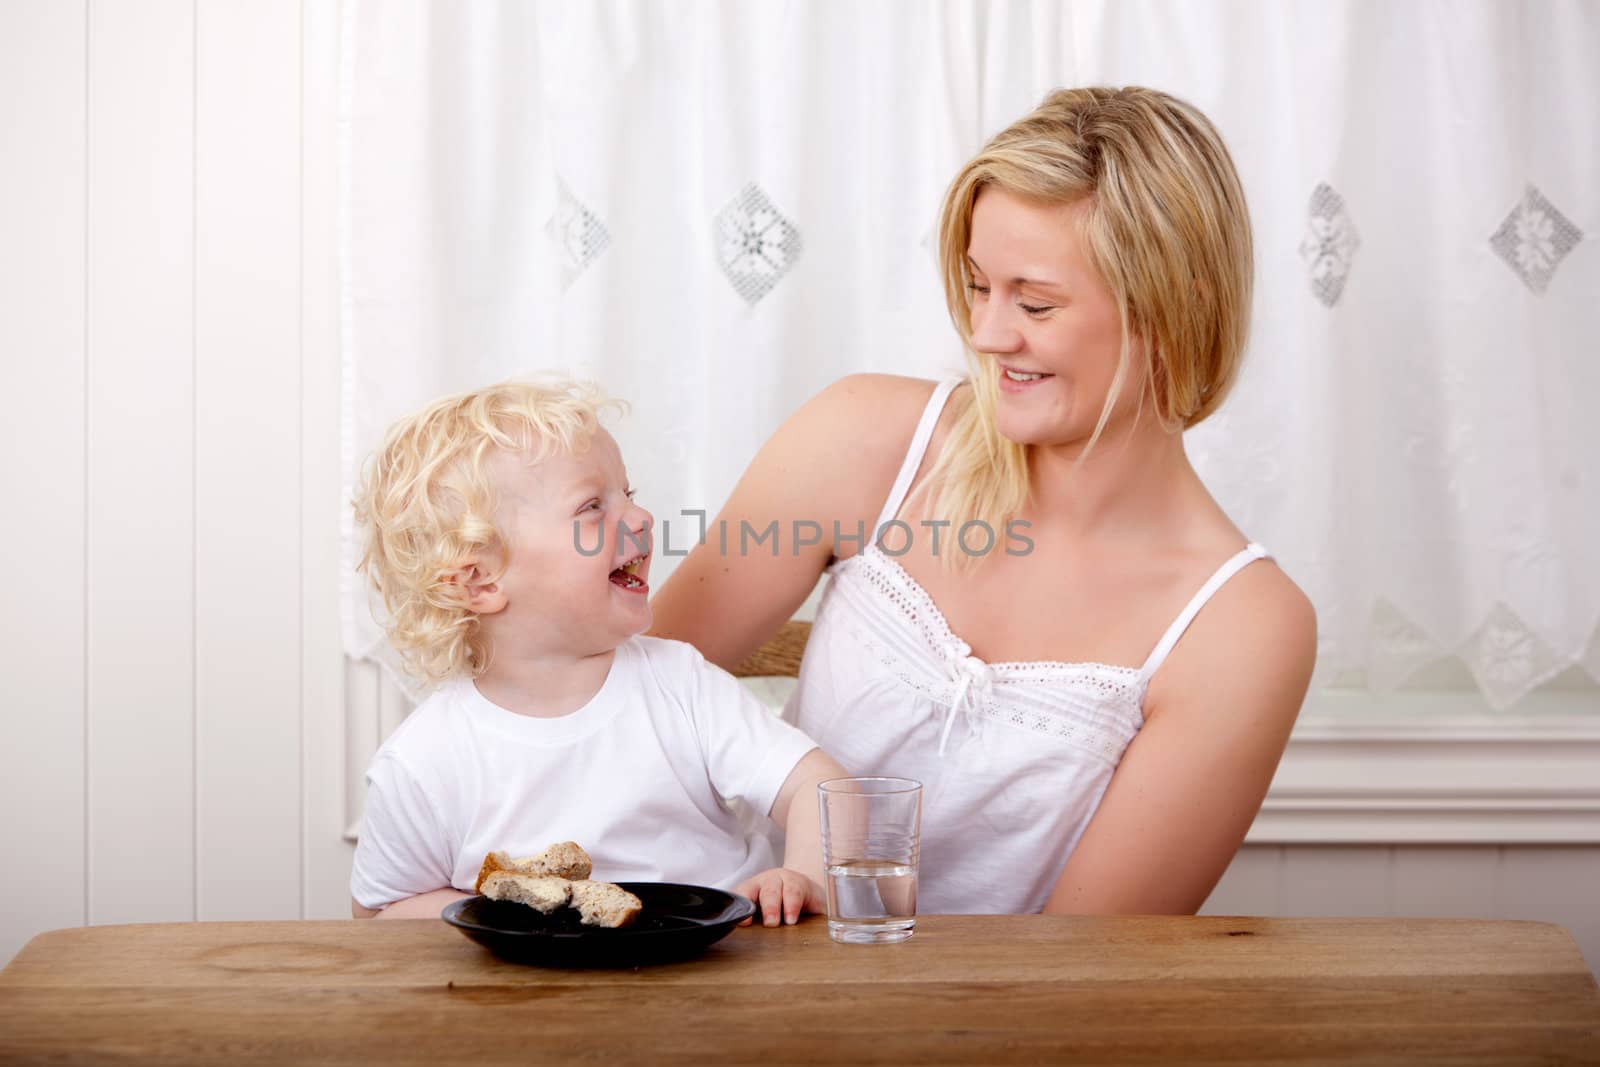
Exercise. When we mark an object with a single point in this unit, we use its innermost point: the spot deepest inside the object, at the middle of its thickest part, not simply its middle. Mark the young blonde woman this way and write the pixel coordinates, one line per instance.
(1060, 633)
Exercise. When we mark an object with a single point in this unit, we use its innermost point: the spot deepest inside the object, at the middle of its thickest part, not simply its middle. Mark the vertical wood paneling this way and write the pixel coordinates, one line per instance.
(325, 892)
(361, 737)
(1441, 881)
(1557, 884)
(248, 494)
(375, 706)
(1337, 880)
(1250, 885)
(141, 462)
(43, 73)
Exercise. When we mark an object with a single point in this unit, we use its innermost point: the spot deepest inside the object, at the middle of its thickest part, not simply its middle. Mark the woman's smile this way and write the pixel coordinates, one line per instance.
(1013, 380)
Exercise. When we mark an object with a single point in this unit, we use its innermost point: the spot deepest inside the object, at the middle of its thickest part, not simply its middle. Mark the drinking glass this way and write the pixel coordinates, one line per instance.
(871, 841)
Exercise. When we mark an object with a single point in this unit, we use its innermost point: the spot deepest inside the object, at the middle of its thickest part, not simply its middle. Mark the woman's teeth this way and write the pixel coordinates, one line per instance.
(1018, 376)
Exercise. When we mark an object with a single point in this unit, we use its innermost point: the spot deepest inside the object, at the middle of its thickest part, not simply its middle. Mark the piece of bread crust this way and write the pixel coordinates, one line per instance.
(542, 894)
(604, 904)
(564, 860)
(494, 861)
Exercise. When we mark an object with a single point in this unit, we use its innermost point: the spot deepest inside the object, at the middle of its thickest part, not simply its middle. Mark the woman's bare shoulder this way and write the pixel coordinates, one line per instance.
(857, 429)
(1270, 596)
(870, 405)
(1252, 648)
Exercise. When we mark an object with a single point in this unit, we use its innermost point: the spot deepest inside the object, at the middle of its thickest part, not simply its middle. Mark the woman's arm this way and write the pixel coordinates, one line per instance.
(832, 462)
(1217, 718)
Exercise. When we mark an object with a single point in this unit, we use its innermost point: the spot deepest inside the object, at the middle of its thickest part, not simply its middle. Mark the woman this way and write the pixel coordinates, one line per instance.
(1096, 705)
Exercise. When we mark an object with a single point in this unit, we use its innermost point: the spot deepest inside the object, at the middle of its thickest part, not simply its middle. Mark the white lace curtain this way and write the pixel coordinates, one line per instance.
(717, 208)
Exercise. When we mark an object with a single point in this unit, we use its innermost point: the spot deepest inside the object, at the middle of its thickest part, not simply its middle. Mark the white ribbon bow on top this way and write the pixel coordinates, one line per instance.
(973, 680)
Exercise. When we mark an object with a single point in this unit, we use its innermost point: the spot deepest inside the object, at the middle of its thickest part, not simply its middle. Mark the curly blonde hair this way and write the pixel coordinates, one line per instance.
(427, 505)
(1166, 228)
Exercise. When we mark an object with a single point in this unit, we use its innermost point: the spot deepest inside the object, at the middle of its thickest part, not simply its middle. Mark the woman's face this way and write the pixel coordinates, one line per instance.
(1047, 320)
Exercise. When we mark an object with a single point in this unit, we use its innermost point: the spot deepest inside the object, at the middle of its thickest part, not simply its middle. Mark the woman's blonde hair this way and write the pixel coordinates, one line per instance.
(1166, 228)
(427, 505)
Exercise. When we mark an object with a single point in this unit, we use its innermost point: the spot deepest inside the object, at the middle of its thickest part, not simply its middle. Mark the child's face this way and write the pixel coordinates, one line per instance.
(571, 528)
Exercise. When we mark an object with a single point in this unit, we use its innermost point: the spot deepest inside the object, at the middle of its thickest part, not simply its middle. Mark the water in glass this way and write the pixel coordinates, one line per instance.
(871, 901)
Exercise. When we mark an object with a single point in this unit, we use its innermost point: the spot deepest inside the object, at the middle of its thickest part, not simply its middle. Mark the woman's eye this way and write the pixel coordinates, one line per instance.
(981, 290)
(1035, 310)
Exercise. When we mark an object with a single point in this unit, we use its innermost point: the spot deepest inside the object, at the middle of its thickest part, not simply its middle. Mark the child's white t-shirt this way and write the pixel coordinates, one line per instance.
(641, 776)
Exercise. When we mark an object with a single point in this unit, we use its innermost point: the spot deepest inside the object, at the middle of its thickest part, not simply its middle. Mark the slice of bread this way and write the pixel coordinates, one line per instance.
(605, 904)
(542, 894)
(564, 860)
(494, 861)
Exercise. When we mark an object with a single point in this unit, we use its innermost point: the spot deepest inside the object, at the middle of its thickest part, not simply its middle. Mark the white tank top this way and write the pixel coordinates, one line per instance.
(1013, 757)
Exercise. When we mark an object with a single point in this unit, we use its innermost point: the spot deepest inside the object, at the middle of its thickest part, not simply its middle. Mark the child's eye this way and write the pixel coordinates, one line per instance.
(629, 493)
(592, 505)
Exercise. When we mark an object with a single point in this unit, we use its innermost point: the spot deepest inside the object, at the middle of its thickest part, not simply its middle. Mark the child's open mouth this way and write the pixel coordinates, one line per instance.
(627, 576)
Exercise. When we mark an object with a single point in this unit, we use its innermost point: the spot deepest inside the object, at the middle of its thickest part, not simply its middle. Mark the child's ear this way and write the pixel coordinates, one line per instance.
(484, 596)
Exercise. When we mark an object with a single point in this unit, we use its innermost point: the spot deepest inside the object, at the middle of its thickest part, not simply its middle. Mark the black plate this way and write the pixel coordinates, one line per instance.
(678, 921)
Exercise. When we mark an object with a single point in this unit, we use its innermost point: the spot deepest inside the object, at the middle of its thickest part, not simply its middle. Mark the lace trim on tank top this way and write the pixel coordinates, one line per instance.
(1095, 707)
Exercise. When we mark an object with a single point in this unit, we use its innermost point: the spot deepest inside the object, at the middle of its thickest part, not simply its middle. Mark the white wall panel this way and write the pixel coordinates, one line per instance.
(247, 436)
(1446, 882)
(363, 689)
(141, 462)
(326, 855)
(1335, 880)
(1251, 884)
(43, 104)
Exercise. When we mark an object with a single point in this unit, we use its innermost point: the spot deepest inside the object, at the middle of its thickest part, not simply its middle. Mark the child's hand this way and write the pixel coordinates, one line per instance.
(782, 895)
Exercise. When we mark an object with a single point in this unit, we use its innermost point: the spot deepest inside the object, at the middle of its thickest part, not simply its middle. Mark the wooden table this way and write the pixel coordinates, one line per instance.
(965, 989)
